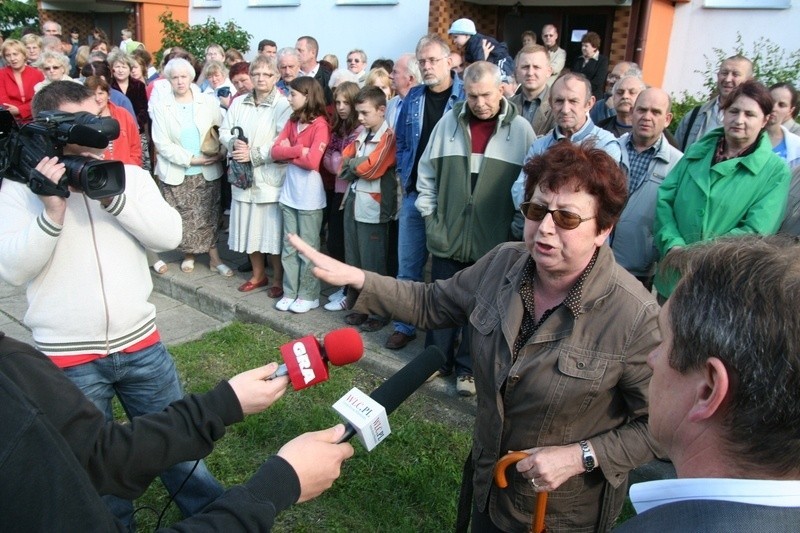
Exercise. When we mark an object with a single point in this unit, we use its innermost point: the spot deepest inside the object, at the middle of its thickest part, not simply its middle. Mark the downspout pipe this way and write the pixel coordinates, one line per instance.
(640, 43)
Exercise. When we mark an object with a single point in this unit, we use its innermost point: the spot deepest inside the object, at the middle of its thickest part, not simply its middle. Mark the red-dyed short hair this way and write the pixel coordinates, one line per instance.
(581, 167)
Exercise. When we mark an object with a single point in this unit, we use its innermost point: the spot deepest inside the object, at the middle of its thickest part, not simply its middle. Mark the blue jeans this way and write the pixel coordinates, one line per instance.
(445, 339)
(145, 382)
(412, 249)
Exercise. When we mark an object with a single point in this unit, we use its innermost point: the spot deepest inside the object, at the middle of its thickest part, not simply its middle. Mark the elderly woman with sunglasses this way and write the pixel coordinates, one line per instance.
(560, 336)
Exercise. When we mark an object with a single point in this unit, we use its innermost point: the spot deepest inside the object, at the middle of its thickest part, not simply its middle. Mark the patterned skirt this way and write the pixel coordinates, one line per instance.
(197, 201)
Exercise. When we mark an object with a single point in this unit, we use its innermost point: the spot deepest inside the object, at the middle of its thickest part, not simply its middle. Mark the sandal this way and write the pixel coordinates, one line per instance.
(187, 265)
(224, 270)
(160, 267)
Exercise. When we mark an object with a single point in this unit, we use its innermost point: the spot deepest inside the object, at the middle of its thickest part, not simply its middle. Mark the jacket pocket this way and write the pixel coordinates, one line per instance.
(484, 318)
(436, 235)
(581, 377)
(580, 366)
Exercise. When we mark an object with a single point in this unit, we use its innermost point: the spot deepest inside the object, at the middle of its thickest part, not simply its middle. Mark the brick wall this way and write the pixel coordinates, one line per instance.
(619, 36)
(83, 21)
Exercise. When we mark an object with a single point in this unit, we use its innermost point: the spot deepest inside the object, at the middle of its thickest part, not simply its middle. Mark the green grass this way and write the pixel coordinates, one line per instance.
(408, 483)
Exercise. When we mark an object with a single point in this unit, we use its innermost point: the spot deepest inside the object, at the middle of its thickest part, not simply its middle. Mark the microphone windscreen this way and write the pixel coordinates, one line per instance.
(397, 388)
(343, 346)
(304, 362)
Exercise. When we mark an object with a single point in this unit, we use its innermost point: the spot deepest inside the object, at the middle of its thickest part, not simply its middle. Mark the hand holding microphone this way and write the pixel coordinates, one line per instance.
(366, 416)
(254, 393)
(306, 360)
(316, 459)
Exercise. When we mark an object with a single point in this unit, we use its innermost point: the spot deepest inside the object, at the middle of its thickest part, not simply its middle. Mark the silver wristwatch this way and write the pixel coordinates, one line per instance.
(589, 461)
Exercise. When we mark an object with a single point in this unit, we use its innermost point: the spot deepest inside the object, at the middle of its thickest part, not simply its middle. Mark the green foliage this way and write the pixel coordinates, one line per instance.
(195, 38)
(14, 14)
(682, 105)
(771, 63)
(409, 483)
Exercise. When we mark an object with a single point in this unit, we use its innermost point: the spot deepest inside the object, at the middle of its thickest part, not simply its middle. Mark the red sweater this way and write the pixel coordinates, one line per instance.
(128, 146)
(315, 137)
(10, 92)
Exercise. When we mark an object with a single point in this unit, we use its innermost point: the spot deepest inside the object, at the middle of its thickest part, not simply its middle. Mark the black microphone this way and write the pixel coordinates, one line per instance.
(394, 391)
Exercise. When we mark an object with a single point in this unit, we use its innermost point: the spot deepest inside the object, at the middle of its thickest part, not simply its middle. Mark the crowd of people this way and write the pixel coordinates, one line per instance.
(554, 205)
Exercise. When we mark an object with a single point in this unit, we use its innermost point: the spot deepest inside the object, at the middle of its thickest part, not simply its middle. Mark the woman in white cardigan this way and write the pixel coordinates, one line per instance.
(256, 226)
(189, 179)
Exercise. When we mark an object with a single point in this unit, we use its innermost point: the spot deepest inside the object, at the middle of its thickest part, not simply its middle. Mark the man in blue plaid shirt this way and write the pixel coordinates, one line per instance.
(647, 157)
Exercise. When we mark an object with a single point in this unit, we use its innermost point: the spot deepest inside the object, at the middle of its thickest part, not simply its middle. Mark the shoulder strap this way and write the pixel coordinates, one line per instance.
(692, 118)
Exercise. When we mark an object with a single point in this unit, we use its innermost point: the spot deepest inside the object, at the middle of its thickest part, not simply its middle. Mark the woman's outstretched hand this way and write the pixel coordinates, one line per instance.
(327, 268)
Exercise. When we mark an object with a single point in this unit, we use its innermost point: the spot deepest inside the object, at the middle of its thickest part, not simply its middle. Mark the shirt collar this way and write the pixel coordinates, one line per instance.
(779, 493)
(579, 135)
(574, 297)
(655, 148)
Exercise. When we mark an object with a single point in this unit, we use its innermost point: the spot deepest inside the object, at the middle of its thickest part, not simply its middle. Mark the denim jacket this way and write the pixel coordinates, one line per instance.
(409, 126)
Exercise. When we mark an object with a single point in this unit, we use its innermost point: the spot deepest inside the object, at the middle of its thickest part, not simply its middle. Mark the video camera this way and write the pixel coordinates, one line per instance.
(22, 148)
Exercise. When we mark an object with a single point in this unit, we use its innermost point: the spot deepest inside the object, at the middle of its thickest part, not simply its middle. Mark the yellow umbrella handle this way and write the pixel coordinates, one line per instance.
(500, 480)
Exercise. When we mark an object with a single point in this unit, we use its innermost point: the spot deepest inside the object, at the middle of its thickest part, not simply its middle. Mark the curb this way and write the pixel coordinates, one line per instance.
(218, 297)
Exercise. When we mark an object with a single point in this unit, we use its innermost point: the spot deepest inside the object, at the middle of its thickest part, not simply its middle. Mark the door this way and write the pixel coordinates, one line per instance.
(571, 22)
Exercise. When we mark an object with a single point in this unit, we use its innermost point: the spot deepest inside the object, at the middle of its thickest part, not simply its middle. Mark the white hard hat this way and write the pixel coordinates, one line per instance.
(462, 27)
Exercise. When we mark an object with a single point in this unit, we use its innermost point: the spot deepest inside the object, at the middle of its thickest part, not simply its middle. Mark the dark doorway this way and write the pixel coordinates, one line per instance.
(571, 22)
(112, 24)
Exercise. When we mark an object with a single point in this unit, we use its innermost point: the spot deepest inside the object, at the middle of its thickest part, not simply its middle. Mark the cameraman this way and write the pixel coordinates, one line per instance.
(59, 452)
(88, 286)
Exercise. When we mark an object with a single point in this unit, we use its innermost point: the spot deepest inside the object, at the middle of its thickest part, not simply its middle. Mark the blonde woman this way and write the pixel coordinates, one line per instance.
(378, 77)
(17, 81)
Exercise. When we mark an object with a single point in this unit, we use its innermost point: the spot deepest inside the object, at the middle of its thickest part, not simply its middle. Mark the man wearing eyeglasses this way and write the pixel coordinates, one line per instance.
(556, 54)
(423, 106)
(647, 156)
(474, 152)
(570, 100)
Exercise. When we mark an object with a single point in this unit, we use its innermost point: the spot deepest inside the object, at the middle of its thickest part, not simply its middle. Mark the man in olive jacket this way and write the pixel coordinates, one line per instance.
(474, 154)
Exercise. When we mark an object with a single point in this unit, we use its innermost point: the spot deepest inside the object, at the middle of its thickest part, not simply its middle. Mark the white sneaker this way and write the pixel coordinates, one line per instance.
(284, 303)
(465, 385)
(338, 295)
(336, 305)
(303, 306)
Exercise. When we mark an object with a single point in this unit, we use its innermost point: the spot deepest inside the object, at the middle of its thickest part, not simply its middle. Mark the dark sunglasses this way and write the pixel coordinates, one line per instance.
(562, 219)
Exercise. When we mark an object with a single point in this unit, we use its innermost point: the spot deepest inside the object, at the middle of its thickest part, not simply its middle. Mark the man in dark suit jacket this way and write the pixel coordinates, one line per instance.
(307, 50)
(725, 392)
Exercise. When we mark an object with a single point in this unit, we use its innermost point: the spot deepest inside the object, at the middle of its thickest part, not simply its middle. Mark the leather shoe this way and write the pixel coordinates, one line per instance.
(373, 324)
(399, 340)
(356, 319)
(248, 286)
(275, 292)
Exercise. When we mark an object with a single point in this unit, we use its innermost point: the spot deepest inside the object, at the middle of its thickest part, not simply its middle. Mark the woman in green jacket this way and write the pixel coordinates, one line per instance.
(728, 183)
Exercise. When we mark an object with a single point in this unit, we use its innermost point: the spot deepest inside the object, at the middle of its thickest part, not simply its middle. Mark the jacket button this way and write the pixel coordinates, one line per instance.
(581, 364)
(514, 380)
